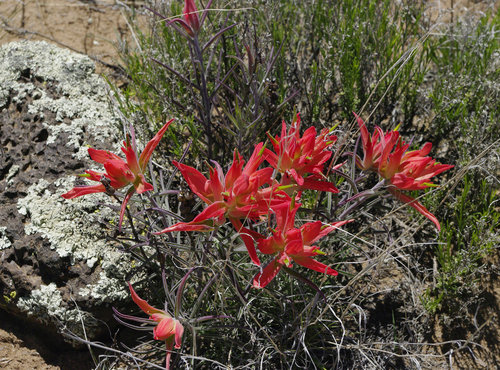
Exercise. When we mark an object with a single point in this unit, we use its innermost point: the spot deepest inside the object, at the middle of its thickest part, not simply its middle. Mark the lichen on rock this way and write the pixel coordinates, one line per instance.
(73, 230)
(4, 240)
(56, 253)
(67, 86)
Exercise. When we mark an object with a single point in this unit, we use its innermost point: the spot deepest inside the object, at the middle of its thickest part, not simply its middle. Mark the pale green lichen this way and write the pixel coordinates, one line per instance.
(47, 305)
(73, 230)
(13, 171)
(4, 240)
(82, 105)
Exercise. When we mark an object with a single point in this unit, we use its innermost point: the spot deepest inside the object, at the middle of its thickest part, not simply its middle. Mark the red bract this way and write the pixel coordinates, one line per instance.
(375, 147)
(293, 244)
(388, 155)
(191, 16)
(191, 22)
(167, 328)
(236, 196)
(119, 173)
(301, 159)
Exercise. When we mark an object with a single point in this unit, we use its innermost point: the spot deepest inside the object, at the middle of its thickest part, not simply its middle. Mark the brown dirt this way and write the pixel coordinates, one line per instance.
(14, 354)
(446, 11)
(91, 27)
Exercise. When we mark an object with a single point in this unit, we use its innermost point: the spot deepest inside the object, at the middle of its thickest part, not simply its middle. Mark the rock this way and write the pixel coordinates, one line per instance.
(57, 268)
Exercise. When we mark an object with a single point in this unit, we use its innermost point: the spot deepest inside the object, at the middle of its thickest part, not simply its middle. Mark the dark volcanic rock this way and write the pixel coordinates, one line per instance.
(56, 266)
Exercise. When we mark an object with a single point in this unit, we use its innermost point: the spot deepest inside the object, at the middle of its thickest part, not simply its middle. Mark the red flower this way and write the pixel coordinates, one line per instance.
(375, 147)
(292, 244)
(388, 155)
(237, 195)
(167, 328)
(119, 173)
(301, 159)
(191, 16)
(191, 23)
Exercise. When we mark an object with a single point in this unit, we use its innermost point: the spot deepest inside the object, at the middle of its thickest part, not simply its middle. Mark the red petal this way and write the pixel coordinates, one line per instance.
(131, 156)
(185, 226)
(271, 158)
(241, 185)
(124, 207)
(141, 185)
(83, 190)
(143, 304)
(298, 179)
(416, 205)
(365, 136)
(285, 215)
(119, 173)
(255, 160)
(191, 15)
(151, 145)
(268, 273)
(270, 245)
(196, 181)
(179, 330)
(102, 156)
(313, 231)
(247, 239)
(164, 329)
(234, 171)
(213, 211)
(319, 185)
(315, 265)
(93, 175)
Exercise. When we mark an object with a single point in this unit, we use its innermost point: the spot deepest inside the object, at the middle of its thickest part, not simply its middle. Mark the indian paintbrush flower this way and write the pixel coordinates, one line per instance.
(191, 22)
(291, 244)
(119, 172)
(191, 16)
(388, 155)
(301, 159)
(237, 195)
(166, 329)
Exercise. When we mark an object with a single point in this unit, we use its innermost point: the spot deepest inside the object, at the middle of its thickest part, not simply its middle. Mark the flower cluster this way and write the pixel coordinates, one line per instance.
(120, 173)
(300, 160)
(388, 155)
(267, 189)
(250, 192)
(289, 243)
(246, 193)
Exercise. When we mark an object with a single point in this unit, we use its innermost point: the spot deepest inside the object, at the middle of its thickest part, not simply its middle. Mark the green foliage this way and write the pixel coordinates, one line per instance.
(465, 93)
(324, 59)
(468, 236)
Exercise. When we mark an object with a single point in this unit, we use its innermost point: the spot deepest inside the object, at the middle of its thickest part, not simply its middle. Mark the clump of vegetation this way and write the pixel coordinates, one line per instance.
(230, 75)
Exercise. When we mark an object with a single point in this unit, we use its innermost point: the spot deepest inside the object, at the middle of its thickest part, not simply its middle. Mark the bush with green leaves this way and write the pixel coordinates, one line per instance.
(211, 245)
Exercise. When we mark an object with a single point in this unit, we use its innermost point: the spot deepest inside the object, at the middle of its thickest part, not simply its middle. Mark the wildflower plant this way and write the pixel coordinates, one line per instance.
(120, 173)
(262, 208)
(253, 218)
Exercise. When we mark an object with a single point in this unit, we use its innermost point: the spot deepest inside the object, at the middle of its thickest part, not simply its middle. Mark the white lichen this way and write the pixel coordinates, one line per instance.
(4, 240)
(73, 229)
(11, 174)
(81, 105)
(46, 304)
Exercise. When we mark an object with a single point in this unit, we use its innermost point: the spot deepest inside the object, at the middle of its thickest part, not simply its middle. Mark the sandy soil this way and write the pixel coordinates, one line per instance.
(95, 27)
(92, 27)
